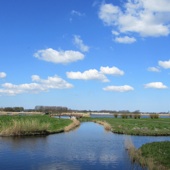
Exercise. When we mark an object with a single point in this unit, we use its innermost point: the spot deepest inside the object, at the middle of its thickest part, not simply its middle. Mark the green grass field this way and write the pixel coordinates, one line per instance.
(144, 126)
(159, 152)
(31, 125)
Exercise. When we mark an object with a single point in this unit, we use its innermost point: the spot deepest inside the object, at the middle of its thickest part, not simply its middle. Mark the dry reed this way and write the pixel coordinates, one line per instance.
(26, 127)
(105, 124)
(73, 125)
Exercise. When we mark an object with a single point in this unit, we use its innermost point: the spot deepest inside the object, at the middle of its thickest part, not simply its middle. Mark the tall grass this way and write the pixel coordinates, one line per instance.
(73, 125)
(26, 127)
(31, 125)
(106, 125)
(135, 155)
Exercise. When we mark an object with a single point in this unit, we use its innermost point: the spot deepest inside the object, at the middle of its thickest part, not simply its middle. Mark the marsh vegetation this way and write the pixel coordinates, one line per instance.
(154, 156)
(31, 125)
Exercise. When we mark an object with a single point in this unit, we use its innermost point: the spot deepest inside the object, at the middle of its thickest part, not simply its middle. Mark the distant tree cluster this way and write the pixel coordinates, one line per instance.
(51, 109)
(12, 109)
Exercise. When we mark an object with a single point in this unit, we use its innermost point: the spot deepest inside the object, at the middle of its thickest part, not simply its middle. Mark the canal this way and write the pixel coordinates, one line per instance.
(88, 147)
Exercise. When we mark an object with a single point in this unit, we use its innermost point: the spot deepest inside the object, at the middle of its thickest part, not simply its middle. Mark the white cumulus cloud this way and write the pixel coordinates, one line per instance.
(111, 70)
(37, 86)
(123, 88)
(2, 74)
(164, 64)
(91, 74)
(125, 40)
(79, 44)
(144, 17)
(62, 57)
(156, 85)
(94, 74)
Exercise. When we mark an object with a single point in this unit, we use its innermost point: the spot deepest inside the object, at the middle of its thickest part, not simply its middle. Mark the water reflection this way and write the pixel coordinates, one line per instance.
(87, 147)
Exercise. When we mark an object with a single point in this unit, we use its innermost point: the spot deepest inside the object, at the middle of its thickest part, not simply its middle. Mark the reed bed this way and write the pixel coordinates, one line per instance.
(27, 127)
(31, 125)
(105, 124)
(73, 125)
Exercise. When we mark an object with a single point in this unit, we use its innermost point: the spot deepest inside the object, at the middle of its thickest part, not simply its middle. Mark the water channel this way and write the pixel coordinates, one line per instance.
(89, 147)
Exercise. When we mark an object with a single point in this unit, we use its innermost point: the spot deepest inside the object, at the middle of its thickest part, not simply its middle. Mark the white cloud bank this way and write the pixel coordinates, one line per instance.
(2, 74)
(79, 44)
(37, 86)
(123, 88)
(155, 85)
(94, 74)
(164, 64)
(58, 57)
(144, 17)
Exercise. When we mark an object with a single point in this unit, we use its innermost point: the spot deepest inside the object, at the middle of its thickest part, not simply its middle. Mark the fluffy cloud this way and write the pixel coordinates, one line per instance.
(91, 74)
(37, 86)
(125, 40)
(2, 75)
(54, 56)
(111, 70)
(124, 88)
(153, 69)
(147, 18)
(155, 85)
(94, 74)
(109, 13)
(79, 43)
(164, 64)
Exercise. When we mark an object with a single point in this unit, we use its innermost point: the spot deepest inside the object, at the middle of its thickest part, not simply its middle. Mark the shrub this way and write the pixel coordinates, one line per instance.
(154, 116)
(130, 115)
(115, 115)
(136, 116)
(124, 116)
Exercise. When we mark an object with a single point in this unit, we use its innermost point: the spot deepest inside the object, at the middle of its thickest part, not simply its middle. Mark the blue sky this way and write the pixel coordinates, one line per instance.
(89, 55)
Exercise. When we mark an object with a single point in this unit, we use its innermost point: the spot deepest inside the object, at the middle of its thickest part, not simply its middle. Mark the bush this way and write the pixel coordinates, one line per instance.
(130, 115)
(136, 116)
(115, 115)
(124, 116)
(154, 116)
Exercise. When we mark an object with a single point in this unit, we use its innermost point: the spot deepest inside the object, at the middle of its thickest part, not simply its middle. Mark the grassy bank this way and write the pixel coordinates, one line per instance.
(154, 155)
(144, 126)
(31, 125)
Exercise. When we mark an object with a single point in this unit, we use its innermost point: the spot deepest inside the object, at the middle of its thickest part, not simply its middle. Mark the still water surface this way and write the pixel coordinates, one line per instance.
(88, 147)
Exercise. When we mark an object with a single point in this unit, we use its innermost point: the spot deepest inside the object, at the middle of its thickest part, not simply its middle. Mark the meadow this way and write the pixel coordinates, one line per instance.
(130, 126)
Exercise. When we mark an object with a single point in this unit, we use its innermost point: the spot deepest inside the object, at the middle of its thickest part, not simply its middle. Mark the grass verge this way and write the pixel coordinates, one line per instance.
(31, 125)
(143, 127)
